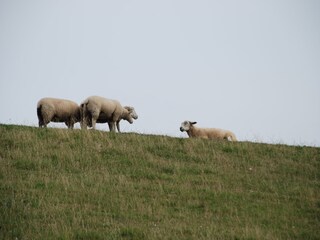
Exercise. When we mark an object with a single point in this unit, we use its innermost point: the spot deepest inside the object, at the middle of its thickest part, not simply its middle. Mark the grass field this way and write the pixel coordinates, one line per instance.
(63, 184)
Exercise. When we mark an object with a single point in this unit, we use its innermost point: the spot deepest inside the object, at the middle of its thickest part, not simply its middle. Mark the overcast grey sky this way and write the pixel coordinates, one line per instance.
(251, 66)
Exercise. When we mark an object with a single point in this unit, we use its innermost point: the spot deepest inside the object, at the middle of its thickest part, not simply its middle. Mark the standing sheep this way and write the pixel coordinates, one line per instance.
(97, 109)
(207, 133)
(57, 110)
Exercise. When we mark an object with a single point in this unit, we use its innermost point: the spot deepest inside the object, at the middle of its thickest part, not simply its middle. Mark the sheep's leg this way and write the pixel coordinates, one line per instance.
(73, 121)
(112, 127)
(84, 117)
(118, 126)
(45, 119)
(69, 122)
(93, 121)
(45, 123)
(89, 122)
(70, 125)
(85, 122)
(41, 123)
(94, 117)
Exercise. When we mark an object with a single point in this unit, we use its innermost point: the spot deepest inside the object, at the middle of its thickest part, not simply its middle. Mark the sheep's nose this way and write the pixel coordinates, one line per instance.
(181, 129)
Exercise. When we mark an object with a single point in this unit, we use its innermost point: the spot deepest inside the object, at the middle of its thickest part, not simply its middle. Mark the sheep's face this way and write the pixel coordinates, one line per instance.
(127, 115)
(132, 112)
(186, 125)
(129, 118)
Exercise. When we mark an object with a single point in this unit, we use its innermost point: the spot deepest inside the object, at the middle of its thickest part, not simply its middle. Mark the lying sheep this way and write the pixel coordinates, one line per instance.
(97, 109)
(57, 110)
(208, 133)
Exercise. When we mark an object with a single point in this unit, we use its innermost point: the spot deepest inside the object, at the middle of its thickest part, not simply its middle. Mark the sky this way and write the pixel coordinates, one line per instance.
(249, 66)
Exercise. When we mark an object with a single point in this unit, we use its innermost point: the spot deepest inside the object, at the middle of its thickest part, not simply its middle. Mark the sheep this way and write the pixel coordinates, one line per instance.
(57, 110)
(97, 109)
(207, 133)
(130, 110)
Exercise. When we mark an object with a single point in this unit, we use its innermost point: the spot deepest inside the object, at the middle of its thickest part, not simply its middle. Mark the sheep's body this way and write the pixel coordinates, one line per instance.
(207, 133)
(97, 109)
(57, 110)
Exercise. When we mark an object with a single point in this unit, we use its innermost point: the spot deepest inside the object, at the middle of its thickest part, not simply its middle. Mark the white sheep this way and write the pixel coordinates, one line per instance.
(208, 133)
(97, 109)
(130, 110)
(57, 110)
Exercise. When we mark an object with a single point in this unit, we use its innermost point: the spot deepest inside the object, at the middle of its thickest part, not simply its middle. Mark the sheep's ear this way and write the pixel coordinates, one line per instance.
(193, 123)
(128, 108)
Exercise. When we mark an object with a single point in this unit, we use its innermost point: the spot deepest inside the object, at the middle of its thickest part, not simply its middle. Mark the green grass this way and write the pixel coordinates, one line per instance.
(63, 184)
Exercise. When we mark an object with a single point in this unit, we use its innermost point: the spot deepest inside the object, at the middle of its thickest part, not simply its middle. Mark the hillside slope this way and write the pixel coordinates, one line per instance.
(63, 184)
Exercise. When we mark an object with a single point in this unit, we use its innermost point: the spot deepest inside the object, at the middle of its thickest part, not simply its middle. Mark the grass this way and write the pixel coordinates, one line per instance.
(62, 184)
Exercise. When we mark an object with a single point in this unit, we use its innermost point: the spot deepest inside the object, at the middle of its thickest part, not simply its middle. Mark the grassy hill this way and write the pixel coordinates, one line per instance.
(63, 184)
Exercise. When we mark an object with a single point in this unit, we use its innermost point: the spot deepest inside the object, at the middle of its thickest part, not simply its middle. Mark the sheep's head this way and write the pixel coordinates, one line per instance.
(129, 114)
(132, 112)
(186, 125)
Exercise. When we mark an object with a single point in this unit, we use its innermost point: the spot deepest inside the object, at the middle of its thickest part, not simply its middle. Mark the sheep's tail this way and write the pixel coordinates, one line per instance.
(39, 113)
(83, 115)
